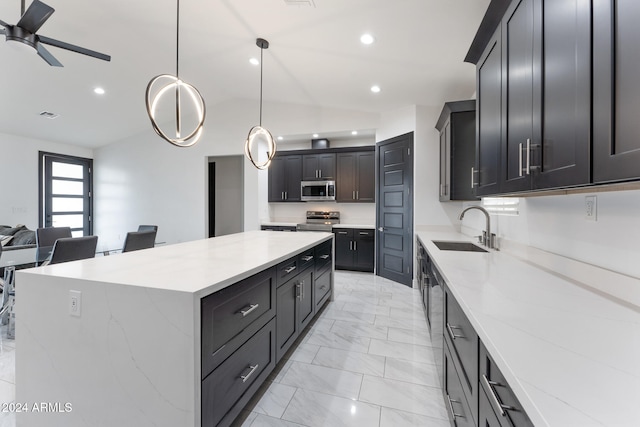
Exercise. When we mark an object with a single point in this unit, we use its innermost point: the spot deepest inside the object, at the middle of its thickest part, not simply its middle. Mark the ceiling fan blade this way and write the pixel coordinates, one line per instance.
(35, 16)
(73, 48)
(47, 56)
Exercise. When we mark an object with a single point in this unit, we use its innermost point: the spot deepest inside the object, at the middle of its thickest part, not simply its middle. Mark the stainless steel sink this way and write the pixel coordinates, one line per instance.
(457, 246)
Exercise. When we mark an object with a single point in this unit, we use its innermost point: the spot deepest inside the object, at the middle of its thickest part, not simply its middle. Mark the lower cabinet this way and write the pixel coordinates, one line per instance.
(355, 249)
(454, 396)
(248, 327)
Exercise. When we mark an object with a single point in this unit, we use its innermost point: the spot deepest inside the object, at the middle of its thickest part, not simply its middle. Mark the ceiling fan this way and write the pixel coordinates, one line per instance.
(30, 22)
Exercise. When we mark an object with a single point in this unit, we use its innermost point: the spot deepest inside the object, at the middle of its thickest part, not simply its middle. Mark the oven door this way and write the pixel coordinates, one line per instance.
(317, 190)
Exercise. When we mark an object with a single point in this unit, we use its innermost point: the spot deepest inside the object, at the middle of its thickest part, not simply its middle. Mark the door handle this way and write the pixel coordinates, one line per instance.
(380, 229)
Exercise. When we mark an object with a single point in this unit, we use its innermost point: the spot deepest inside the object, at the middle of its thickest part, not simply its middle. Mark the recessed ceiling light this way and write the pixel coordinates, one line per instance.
(99, 91)
(315, 135)
(254, 61)
(367, 39)
(375, 89)
(354, 132)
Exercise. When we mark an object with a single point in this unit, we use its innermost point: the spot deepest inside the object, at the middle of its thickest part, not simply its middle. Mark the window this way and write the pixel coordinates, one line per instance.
(65, 193)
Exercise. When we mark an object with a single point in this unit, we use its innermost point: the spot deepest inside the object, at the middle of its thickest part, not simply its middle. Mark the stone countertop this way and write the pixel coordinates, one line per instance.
(199, 267)
(364, 226)
(569, 353)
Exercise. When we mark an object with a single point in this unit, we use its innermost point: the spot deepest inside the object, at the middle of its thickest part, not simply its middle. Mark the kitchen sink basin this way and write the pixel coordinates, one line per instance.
(457, 246)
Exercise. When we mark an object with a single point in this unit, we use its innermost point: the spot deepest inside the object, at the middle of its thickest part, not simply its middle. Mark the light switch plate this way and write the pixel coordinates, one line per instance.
(590, 208)
(75, 303)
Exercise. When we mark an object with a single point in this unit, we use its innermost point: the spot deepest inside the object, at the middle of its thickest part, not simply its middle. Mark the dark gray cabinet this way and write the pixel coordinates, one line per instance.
(355, 178)
(457, 127)
(616, 93)
(355, 249)
(456, 402)
(278, 228)
(285, 175)
(319, 167)
(486, 174)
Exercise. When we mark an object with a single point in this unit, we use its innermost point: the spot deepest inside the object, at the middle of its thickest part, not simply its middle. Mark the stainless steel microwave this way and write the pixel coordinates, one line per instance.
(313, 191)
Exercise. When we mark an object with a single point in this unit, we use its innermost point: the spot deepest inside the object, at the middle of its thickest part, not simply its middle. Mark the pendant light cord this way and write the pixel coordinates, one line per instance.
(177, 37)
(261, 57)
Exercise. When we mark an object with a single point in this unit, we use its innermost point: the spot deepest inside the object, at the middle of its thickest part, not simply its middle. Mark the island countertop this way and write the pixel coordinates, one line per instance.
(569, 353)
(204, 266)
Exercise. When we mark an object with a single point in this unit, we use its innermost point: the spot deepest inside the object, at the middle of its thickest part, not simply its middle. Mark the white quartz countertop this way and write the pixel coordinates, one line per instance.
(200, 267)
(571, 355)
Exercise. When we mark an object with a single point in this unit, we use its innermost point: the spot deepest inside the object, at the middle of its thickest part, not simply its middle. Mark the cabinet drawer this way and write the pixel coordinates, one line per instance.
(233, 314)
(306, 259)
(499, 395)
(463, 342)
(287, 269)
(323, 254)
(322, 285)
(231, 385)
(454, 396)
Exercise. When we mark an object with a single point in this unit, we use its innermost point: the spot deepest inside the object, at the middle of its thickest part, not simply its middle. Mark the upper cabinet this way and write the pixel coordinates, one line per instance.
(285, 174)
(457, 127)
(616, 93)
(356, 177)
(534, 97)
(319, 167)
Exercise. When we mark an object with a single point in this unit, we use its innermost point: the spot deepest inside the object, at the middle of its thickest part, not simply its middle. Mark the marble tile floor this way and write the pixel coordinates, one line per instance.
(366, 361)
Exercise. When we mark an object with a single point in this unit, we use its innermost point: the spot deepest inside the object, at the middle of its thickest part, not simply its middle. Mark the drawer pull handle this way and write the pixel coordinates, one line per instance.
(307, 258)
(453, 334)
(342, 232)
(495, 402)
(324, 256)
(289, 269)
(248, 310)
(450, 401)
(246, 377)
(364, 233)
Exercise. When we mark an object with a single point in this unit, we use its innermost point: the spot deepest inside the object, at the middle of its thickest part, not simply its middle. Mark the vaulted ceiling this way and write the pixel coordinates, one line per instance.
(315, 58)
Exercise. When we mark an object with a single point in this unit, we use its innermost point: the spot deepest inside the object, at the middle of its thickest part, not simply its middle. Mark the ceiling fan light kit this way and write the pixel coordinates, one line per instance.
(163, 83)
(25, 31)
(258, 133)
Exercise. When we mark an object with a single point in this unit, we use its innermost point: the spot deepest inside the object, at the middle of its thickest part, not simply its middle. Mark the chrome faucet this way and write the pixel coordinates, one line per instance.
(488, 239)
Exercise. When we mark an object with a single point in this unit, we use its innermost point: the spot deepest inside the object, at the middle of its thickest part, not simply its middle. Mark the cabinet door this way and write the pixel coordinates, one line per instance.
(455, 401)
(364, 245)
(489, 118)
(365, 177)
(293, 177)
(286, 317)
(305, 299)
(565, 49)
(445, 161)
(344, 246)
(327, 166)
(462, 155)
(517, 90)
(276, 179)
(310, 167)
(345, 180)
(616, 93)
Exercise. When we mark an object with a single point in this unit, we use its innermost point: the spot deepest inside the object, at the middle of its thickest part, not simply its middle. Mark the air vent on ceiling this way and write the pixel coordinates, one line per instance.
(49, 115)
(300, 3)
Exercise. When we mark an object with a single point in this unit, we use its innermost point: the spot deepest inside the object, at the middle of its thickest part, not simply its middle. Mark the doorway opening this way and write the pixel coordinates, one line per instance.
(225, 204)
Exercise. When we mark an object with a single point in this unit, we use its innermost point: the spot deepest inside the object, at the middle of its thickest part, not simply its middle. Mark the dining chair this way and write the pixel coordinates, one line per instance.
(136, 240)
(148, 227)
(48, 236)
(68, 249)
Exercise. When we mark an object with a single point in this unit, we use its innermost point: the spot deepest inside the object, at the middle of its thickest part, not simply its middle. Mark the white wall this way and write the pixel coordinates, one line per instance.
(19, 176)
(144, 179)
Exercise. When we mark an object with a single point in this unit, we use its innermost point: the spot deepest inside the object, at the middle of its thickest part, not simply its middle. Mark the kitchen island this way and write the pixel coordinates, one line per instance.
(121, 340)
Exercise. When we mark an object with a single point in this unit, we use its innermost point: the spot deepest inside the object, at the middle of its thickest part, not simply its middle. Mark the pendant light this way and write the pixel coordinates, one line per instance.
(167, 84)
(258, 133)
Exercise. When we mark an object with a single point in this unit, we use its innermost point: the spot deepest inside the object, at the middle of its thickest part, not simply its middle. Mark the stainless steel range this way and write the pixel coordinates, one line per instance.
(319, 221)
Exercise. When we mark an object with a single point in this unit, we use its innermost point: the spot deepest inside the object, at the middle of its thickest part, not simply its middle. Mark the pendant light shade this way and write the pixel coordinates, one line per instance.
(165, 84)
(259, 136)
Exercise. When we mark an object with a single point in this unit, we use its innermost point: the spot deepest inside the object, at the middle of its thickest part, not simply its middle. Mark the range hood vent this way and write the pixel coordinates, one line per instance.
(319, 143)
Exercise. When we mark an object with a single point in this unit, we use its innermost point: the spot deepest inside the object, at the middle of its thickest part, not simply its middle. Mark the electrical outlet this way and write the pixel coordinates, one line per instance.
(75, 303)
(590, 208)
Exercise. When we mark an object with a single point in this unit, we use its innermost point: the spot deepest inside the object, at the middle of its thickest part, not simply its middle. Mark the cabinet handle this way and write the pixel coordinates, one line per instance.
(351, 245)
(342, 232)
(528, 156)
(282, 195)
(249, 310)
(302, 290)
(286, 195)
(289, 269)
(495, 402)
(451, 333)
(357, 194)
(298, 291)
(520, 159)
(307, 258)
(253, 368)
(364, 233)
(325, 256)
(355, 245)
(473, 171)
(450, 402)
(353, 195)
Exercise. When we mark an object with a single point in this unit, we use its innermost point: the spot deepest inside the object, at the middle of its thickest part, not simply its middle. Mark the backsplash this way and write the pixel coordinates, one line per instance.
(350, 213)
